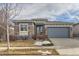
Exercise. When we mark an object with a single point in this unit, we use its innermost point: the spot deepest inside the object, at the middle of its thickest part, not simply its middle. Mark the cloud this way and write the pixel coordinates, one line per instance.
(52, 11)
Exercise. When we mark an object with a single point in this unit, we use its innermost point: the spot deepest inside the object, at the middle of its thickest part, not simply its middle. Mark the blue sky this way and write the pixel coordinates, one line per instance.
(53, 11)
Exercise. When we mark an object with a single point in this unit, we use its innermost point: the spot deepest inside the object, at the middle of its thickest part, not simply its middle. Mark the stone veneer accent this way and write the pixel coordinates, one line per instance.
(31, 28)
(16, 29)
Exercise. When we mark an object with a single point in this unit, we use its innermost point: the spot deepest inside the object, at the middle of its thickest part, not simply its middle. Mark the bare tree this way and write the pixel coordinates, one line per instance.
(11, 10)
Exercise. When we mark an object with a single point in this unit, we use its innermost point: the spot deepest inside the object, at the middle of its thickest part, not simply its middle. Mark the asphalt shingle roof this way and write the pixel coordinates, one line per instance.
(45, 22)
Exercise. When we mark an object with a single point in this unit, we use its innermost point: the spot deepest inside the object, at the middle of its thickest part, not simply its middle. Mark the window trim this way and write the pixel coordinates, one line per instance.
(20, 27)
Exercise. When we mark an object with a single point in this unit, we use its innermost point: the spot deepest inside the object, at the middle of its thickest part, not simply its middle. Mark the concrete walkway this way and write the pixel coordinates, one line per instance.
(41, 47)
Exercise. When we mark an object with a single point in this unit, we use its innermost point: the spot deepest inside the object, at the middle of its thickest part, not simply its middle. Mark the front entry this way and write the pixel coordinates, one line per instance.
(39, 29)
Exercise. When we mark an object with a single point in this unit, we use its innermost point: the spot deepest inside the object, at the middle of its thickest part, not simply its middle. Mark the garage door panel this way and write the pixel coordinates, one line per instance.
(57, 32)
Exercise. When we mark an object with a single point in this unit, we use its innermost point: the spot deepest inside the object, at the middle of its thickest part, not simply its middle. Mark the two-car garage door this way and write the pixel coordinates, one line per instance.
(58, 32)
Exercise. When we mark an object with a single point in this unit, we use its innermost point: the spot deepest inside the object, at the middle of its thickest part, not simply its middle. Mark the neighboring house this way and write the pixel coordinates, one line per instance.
(3, 27)
(54, 29)
(76, 30)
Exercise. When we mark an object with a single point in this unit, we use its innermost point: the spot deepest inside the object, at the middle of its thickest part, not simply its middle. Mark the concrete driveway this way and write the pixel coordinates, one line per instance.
(66, 46)
(65, 42)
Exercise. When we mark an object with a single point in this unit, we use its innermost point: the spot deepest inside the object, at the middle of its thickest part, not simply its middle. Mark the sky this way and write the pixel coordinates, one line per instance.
(68, 12)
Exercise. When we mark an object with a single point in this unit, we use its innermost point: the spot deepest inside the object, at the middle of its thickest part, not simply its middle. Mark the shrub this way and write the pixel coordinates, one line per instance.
(12, 38)
(17, 37)
(40, 37)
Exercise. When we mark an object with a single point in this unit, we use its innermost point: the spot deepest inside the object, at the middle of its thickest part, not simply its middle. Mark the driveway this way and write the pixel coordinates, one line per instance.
(66, 46)
(65, 42)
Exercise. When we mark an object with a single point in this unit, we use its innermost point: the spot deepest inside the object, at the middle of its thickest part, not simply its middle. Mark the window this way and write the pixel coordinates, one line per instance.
(23, 27)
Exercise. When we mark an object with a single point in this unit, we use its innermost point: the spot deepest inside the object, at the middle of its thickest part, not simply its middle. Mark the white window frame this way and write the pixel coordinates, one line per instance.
(20, 28)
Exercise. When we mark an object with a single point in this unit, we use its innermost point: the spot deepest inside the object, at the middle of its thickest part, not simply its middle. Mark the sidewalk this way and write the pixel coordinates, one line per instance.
(41, 47)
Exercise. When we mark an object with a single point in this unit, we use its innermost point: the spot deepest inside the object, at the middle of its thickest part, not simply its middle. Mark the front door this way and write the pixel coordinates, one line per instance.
(40, 29)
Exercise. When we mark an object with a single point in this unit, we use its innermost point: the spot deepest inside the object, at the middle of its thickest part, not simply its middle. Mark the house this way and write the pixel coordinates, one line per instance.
(54, 29)
(76, 30)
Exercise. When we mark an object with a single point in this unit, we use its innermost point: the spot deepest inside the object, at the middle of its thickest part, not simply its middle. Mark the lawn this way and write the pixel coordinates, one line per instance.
(28, 52)
(25, 43)
(18, 43)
